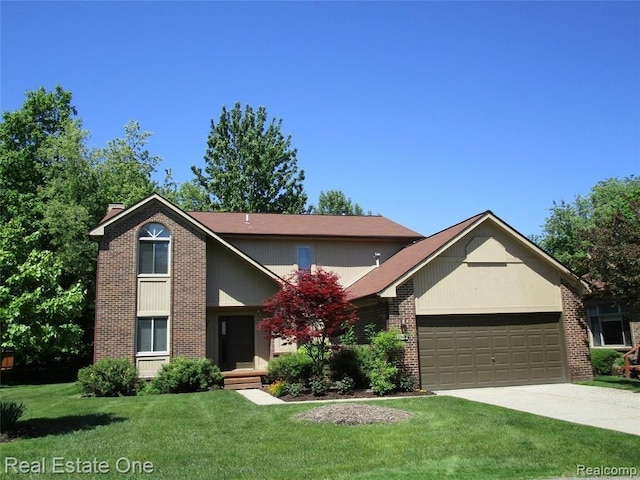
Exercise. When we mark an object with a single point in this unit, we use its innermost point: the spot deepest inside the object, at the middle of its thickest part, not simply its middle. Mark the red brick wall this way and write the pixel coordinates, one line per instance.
(117, 285)
(576, 333)
(371, 314)
(403, 308)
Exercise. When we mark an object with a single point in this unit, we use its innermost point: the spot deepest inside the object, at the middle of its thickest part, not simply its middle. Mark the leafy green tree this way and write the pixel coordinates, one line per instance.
(599, 235)
(250, 165)
(563, 229)
(37, 314)
(125, 166)
(335, 202)
(189, 195)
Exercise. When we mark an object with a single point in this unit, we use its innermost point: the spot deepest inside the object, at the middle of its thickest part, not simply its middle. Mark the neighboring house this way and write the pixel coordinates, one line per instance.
(478, 303)
(609, 326)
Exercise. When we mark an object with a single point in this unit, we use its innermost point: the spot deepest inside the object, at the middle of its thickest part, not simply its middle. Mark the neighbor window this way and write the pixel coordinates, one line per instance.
(304, 258)
(153, 249)
(608, 325)
(151, 334)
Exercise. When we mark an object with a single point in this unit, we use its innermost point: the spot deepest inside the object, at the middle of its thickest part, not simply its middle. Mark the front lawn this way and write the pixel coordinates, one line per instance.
(613, 381)
(220, 435)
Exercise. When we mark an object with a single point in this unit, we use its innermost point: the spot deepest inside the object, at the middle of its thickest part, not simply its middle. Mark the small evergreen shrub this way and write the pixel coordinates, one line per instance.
(295, 389)
(407, 383)
(290, 367)
(109, 377)
(318, 386)
(277, 388)
(10, 413)
(184, 375)
(346, 386)
(352, 361)
(602, 360)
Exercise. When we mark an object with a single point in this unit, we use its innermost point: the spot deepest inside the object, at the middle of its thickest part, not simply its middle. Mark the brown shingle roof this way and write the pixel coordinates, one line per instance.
(225, 223)
(406, 259)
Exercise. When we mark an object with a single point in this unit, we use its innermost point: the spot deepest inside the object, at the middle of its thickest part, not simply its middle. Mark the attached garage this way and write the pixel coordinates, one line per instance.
(489, 350)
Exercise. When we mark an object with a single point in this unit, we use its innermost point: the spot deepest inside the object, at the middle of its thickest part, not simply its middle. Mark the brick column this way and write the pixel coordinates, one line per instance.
(576, 332)
(402, 309)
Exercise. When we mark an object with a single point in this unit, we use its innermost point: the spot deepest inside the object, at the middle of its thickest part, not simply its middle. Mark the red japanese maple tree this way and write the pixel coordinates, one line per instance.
(310, 308)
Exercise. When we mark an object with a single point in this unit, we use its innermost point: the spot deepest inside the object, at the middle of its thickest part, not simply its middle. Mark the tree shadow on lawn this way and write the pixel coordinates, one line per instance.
(42, 427)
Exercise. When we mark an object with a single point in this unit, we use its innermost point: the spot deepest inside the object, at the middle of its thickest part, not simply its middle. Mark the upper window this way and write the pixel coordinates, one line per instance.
(608, 325)
(151, 335)
(153, 249)
(304, 258)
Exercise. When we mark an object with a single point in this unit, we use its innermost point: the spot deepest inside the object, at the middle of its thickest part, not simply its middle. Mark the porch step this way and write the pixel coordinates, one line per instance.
(242, 380)
(242, 386)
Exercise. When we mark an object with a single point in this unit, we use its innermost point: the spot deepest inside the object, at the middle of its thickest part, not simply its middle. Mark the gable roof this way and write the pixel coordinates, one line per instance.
(382, 281)
(365, 226)
(117, 214)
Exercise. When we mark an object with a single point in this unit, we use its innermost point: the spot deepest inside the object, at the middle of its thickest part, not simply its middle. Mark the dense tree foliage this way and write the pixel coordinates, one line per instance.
(335, 202)
(53, 190)
(250, 165)
(310, 309)
(598, 235)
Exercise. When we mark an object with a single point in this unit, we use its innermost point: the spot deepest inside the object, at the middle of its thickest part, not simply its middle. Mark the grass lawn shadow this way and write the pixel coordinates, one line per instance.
(42, 427)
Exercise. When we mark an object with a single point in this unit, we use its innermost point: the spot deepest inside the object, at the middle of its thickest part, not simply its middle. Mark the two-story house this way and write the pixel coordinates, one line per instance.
(478, 303)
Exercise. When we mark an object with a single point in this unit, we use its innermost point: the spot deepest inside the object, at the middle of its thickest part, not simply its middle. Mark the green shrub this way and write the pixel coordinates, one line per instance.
(10, 412)
(387, 345)
(184, 375)
(109, 377)
(148, 388)
(291, 367)
(346, 386)
(348, 362)
(318, 386)
(295, 389)
(602, 360)
(407, 383)
(382, 375)
(277, 388)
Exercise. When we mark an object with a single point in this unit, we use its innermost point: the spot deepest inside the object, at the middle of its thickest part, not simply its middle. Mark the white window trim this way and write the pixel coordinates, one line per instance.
(158, 353)
(154, 239)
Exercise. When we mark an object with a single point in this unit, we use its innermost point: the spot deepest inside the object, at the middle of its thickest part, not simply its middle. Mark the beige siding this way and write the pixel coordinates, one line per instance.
(262, 346)
(232, 282)
(487, 272)
(350, 259)
(149, 366)
(154, 296)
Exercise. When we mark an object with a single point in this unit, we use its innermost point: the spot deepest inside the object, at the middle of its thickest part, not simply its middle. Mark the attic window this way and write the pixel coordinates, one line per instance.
(304, 258)
(153, 249)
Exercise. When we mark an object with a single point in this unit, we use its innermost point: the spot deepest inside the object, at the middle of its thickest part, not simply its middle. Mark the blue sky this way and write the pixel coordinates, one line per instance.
(425, 112)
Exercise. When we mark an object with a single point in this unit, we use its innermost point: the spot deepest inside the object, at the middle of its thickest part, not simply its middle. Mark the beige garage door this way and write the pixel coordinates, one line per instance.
(462, 351)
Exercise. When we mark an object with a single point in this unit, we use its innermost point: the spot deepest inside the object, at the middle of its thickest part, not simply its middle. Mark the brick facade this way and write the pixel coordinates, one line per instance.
(402, 315)
(117, 285)
(576, 332)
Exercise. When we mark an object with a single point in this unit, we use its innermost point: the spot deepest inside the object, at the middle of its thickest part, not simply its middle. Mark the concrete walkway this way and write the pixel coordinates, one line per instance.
(259, 397)
(595, 406)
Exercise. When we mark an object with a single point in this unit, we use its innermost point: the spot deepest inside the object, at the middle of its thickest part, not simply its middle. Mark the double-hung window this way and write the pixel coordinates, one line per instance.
(153, 249)
(151, 335)
(609, 325)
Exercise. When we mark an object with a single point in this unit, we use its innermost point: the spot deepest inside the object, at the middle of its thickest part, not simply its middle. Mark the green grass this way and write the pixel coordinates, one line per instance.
(613, 381)
(220, 435)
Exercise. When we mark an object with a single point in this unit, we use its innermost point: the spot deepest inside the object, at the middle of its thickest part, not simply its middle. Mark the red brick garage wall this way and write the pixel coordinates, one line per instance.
(576, 332)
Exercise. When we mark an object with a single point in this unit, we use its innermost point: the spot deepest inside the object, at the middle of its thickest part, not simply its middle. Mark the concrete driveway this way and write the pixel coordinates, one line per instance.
(595, 406)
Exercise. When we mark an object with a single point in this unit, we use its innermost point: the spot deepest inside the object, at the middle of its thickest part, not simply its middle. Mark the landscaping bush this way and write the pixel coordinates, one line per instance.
(290, 367)
(295, 389)
(602, 360)
(382, 375)
(184, 375)
(109, 377)
(10, 412)
(346, 386)
(380, 367)
(318, 386)
(278, 388)
(407, 383)
(350, 362)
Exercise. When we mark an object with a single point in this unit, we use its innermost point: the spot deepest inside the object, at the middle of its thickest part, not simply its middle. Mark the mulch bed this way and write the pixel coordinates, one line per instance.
(334, 395)
(354, 414)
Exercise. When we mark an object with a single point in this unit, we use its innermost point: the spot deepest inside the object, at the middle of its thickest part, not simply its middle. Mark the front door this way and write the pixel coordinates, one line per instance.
(237, 335)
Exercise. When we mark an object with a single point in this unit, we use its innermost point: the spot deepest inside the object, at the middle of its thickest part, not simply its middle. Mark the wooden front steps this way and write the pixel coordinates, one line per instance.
(243, 379)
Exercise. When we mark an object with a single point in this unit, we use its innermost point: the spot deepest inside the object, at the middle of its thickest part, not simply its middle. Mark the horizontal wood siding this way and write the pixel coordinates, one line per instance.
(350, 259)
(233, 282)
(487, 272)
